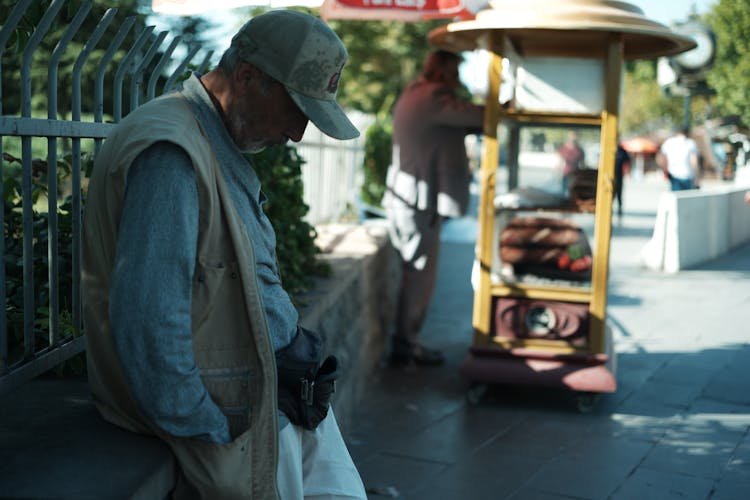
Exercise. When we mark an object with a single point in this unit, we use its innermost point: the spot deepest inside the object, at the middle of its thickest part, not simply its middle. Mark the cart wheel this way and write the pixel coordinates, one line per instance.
(476, 393)
(585, 402)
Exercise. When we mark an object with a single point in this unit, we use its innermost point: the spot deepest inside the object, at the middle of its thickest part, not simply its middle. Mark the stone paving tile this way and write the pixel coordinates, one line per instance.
(739, 464)
(733, 326)
(732, 384)
(672, 394)
(735, 480)
(648, 405)
(487, 476)
(390, 435)
(732, 488)
(637, 367)
(540, 438)
(696, 367)
(641, 427)
(580, 479)
(592, 469)
(595, 429)
(601, 450)
(694, 449)
(383, 473)
(608, 403)
(530, 493)
(457, 436)
(435, 392)
(664, 341)
(732, 416)
(648, 484)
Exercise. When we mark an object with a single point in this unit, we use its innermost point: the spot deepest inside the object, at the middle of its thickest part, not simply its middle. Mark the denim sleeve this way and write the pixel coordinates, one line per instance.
(150, 298)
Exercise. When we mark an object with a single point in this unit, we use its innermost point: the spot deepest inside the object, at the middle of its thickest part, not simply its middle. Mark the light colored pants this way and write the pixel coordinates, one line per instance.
(316, 464)
(416, 236)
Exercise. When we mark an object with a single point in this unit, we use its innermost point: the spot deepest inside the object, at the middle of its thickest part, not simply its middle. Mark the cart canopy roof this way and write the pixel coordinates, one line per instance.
(564, 28)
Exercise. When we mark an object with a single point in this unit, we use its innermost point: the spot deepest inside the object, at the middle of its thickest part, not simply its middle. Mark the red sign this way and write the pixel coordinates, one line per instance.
(441, 6)
(399, 10)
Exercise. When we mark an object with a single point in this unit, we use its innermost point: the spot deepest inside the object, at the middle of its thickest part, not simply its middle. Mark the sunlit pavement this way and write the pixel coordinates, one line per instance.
(677, 427)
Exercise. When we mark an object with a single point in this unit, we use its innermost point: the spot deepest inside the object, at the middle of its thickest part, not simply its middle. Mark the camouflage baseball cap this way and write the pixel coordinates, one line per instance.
(307, 57)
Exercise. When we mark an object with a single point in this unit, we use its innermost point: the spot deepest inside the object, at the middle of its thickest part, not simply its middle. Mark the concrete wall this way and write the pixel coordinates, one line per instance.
(354, 309)
(695, 226)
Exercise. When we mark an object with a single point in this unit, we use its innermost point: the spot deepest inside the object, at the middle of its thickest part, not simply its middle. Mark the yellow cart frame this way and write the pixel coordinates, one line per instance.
(610, 32)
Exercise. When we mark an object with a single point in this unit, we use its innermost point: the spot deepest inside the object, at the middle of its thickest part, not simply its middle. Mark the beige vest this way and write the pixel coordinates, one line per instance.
(231, 344)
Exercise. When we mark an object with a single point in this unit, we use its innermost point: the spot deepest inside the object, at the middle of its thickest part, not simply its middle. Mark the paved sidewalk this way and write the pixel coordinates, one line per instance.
(677, 427)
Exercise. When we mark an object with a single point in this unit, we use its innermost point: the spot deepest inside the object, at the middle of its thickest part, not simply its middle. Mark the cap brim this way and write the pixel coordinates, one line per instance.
(326, 115)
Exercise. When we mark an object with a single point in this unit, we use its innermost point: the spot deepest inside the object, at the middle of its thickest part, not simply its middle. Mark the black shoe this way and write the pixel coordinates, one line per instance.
(417, 354)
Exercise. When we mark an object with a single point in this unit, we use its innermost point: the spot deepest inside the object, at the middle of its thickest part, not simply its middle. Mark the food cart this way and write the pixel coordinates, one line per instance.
(537, 319)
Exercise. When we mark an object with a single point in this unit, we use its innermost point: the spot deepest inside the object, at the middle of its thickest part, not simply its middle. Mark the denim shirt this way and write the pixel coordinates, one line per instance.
(150, 302)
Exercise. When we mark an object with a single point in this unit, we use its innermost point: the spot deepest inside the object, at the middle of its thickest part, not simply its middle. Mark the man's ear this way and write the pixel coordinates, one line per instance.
(243, 75)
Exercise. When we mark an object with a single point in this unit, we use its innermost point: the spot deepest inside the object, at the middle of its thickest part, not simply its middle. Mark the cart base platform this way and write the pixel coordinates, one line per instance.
(584, 373)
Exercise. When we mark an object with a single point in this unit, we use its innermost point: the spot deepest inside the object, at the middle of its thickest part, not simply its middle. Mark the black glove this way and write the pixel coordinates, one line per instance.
(305, 388)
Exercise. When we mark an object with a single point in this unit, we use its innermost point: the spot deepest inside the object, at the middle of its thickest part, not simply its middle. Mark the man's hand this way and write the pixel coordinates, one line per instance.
(305, 393)
(305, 385)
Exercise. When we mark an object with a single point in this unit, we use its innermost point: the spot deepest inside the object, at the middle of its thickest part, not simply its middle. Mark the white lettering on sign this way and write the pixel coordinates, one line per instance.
(408, 4)
(419, 4)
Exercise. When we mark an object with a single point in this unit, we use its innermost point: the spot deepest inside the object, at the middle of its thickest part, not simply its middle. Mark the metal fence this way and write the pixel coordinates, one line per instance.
(140, 75)
(332, 173)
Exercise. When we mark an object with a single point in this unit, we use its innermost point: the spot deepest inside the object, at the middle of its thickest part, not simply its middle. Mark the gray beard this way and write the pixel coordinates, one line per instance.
(251, 145)
(252, 149)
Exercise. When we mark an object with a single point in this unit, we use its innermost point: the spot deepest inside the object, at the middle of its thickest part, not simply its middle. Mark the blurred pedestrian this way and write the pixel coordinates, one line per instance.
(427, 182)
(678, 157)
(621, 159)
(572, 159)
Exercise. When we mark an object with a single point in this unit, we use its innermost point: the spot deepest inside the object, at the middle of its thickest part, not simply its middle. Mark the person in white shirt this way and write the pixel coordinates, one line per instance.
(678, 157)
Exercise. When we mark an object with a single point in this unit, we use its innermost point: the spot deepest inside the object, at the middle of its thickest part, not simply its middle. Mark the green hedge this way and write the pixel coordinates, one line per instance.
(279, 170)
(378, 152)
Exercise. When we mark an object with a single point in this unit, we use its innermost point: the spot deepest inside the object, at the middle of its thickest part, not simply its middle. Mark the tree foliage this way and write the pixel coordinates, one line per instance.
(194, 30)
(645, 107)
(384, 56)
(730, 20)
(378, 151)
(13, 53)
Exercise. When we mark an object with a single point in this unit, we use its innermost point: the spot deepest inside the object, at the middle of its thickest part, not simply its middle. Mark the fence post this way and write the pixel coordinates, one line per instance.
(122, 70)
(28, 229)
(93, 40)
(136, 79)
(5, 33)
(52, 229)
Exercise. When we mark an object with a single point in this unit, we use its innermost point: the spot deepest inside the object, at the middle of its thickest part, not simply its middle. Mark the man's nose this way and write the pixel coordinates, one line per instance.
(297, 128)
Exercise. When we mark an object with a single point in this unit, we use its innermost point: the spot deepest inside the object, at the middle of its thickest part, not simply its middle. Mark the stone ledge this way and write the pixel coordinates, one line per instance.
(354, 308)
(54, 444)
